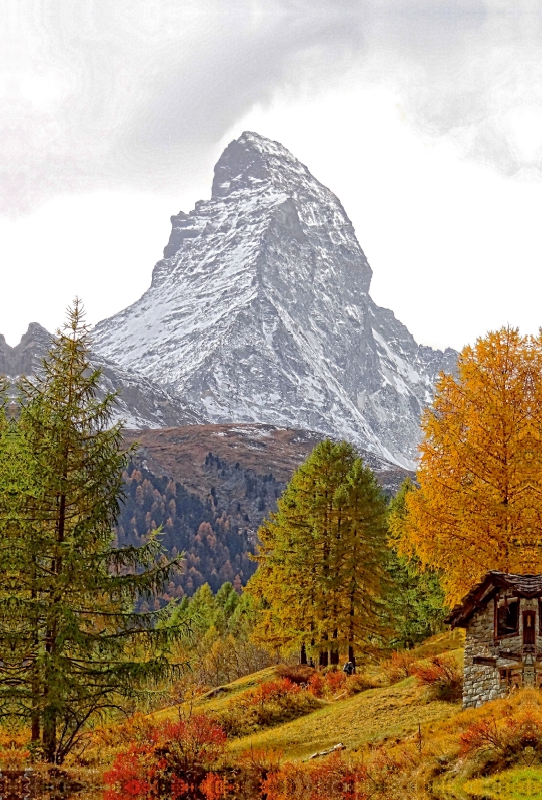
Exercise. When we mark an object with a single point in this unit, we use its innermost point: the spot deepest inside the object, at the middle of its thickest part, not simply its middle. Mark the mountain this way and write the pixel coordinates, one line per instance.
(260, 312)
(141, 403)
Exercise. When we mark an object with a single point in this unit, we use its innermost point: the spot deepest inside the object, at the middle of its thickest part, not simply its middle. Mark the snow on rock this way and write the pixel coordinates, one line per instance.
(260, 312)
(140, 403)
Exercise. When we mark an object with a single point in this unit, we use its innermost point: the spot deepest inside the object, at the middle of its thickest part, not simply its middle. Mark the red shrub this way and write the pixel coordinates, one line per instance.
(335, 681)
(169, 760)
(316, 685)
(328, 684)
(272, 691)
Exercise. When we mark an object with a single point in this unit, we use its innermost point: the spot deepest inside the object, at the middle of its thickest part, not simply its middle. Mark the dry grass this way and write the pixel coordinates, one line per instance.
(384, 714)
(377, 715)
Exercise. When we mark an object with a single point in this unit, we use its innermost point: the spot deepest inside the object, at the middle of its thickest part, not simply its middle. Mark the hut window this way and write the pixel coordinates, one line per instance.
(507, 618)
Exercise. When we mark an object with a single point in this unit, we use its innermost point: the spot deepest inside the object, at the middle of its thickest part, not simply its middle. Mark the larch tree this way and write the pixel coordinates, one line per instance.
(321, 561)
(479, 502)
(75, 644)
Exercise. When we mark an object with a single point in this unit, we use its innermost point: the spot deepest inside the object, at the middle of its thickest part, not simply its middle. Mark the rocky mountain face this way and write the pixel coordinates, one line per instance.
(260, 312)
(141, 403)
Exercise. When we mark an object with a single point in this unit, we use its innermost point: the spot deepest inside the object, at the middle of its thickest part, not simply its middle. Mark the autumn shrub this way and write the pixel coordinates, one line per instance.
(329, 684)
(297, 673)
(336, 684)
(335, 681)
(268, 704)
(443, 676)
(15, 750)
(360, 683)
(399, 666)
(169, 760)
(382, 776)
(497, 742)
(316, 685)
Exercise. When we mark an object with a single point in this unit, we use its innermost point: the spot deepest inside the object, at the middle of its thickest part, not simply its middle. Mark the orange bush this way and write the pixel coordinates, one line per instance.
(267, 704)
(335, 681)
(316, 685)
(400, 666)
(328, 684)
(500, 739)
(443, 675)
(272, 691)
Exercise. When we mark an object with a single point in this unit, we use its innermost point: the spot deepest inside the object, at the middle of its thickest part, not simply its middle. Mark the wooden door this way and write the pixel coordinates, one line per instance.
(528, 627)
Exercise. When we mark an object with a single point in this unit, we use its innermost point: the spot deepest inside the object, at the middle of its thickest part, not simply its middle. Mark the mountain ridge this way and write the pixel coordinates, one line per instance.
(140, 404)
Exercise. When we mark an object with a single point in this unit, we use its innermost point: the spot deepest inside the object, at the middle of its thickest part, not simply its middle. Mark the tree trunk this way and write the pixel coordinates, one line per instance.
(351, 656)
(334, 653)
(303, 655)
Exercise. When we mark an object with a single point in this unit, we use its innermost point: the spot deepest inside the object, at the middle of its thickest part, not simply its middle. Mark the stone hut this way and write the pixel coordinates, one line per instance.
(502, 616)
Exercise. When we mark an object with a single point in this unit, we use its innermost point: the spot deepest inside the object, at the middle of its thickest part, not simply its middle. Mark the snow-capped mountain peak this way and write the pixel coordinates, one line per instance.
(260, 312)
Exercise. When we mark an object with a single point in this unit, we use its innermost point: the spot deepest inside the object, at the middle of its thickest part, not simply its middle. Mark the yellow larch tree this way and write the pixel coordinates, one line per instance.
(479, 502)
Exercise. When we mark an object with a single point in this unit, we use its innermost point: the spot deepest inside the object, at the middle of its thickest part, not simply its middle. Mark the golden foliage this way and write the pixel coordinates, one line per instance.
(479, 504)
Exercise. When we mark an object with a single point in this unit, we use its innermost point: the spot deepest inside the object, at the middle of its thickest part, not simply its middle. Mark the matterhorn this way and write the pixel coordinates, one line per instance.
(260, 312)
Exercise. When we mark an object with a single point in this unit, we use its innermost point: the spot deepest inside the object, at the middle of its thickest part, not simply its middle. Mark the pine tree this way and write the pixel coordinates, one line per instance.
(321, 561)
(16, 628)
(87, 649)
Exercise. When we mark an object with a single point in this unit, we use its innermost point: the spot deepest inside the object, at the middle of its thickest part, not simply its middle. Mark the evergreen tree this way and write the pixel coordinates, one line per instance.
(321, 573)
(416, 602)
(87, 650)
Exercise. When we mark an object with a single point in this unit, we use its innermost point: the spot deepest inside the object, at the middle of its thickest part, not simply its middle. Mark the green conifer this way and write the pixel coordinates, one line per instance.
(86, 650)
(321, 561)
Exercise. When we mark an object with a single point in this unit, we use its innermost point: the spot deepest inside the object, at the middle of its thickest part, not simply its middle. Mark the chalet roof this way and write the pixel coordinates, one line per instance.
(483, 592)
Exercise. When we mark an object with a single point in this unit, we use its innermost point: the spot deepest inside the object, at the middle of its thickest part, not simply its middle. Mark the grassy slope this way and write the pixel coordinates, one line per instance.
(517, 784)
(372, 716)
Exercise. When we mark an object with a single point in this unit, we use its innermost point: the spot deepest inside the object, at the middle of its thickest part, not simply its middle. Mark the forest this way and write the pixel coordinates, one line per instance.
(215, 549)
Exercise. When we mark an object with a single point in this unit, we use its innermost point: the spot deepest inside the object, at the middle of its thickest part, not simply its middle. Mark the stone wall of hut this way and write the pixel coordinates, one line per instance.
(484, 682)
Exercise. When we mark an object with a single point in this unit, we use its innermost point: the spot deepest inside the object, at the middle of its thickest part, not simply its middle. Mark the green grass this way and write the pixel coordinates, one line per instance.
(522, 783)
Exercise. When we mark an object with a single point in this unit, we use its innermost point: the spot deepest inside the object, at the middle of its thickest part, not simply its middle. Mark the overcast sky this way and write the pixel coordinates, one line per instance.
(425, 118)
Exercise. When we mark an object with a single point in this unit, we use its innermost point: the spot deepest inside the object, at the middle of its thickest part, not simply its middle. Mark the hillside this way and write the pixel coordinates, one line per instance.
(210, 486)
